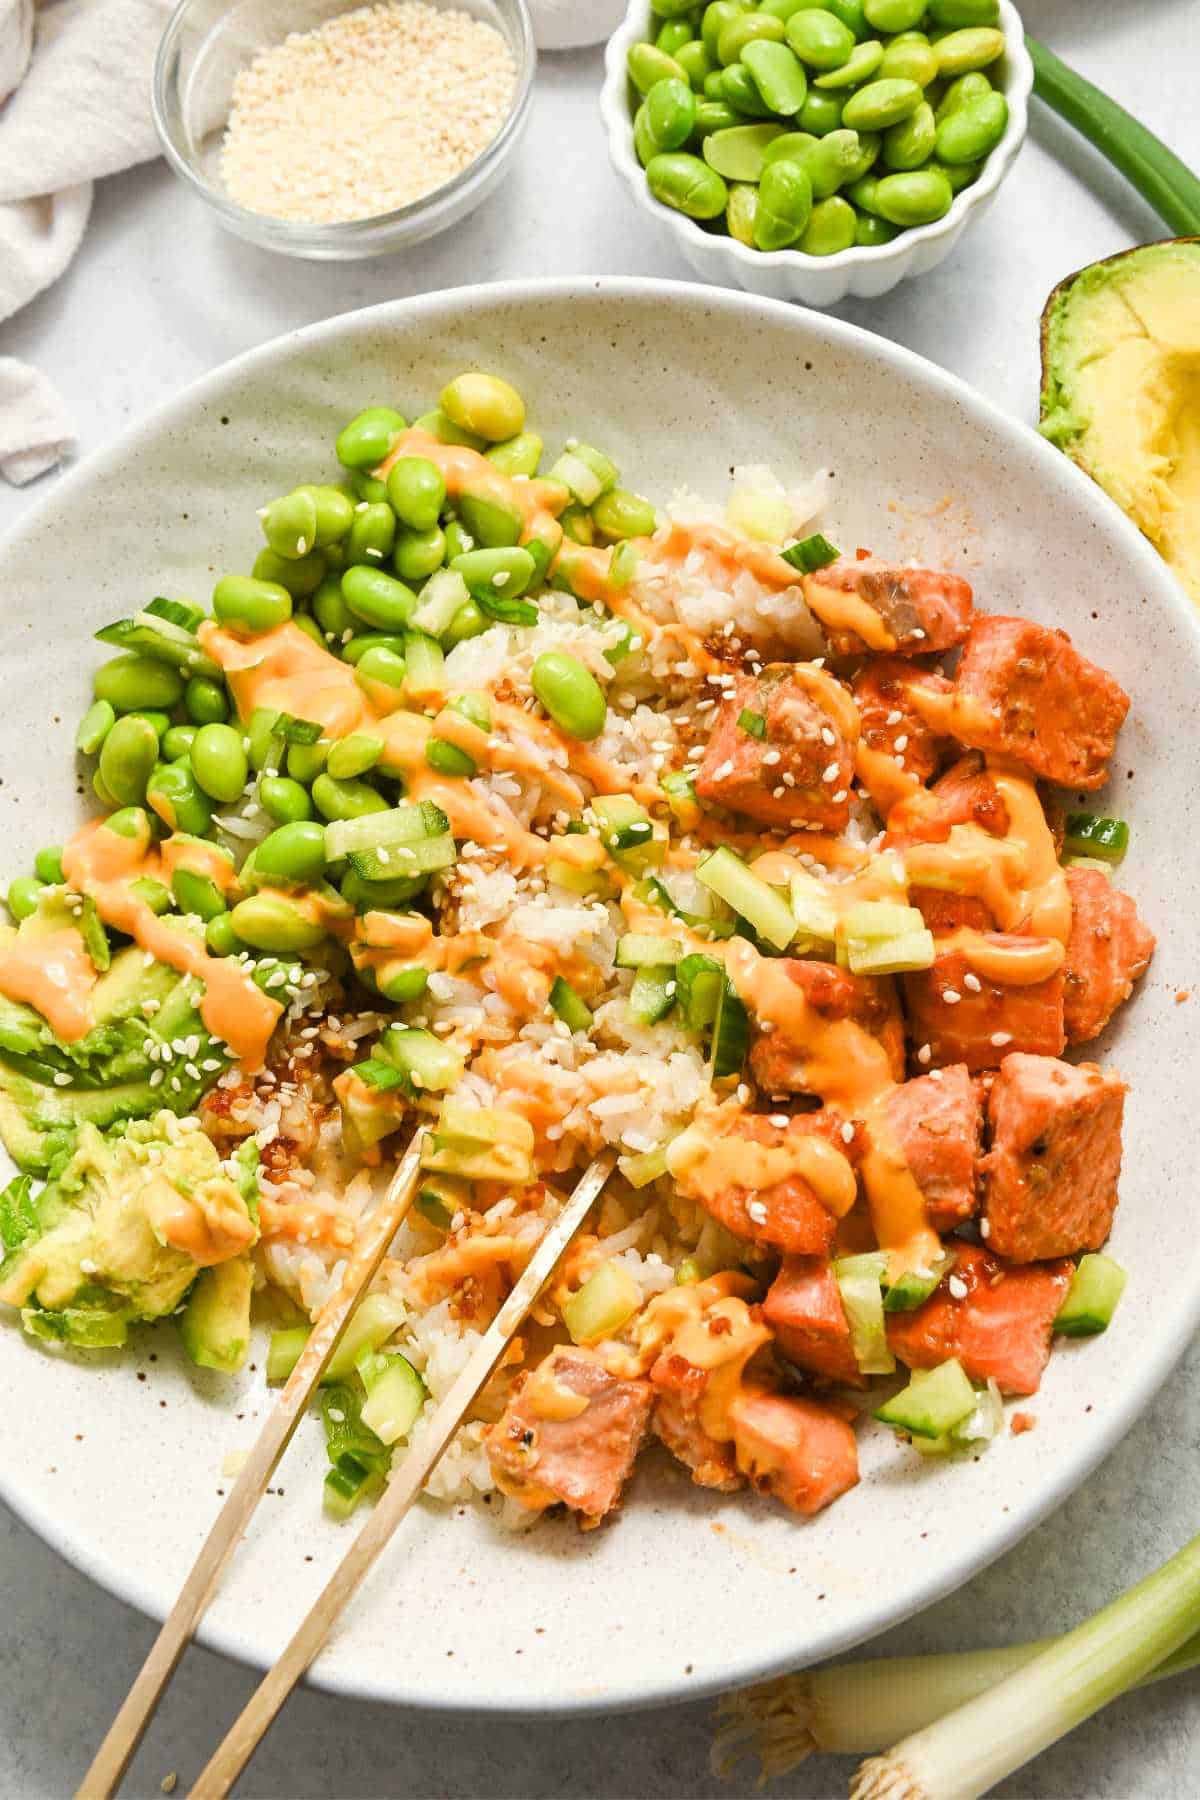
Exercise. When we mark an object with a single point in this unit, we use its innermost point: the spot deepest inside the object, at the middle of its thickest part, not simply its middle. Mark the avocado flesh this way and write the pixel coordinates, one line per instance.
(214, 1326)
(1121, 389)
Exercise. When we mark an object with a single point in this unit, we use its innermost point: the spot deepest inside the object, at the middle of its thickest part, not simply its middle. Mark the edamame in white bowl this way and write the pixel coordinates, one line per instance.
(863, 270)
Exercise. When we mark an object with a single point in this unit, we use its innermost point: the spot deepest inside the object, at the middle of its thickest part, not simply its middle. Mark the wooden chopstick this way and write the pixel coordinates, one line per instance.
(248, 1730)
(127, 1729)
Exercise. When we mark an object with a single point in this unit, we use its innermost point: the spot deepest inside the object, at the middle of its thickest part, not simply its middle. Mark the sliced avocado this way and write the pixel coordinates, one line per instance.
(214, 1326)
(368, 1114)
(38, 1124)
(129, 983)
(1121, 389)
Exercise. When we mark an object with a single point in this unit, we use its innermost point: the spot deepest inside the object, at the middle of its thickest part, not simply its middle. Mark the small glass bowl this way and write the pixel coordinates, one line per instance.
(206, 44)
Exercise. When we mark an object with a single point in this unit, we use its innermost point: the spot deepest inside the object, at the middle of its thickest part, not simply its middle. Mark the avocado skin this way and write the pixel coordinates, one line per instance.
(214, 1326)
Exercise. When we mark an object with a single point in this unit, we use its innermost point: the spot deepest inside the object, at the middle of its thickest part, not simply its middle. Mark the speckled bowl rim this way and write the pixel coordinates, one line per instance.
(972, 1552)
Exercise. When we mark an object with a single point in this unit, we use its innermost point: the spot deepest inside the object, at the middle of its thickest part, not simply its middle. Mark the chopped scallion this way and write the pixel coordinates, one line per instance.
(810, 553)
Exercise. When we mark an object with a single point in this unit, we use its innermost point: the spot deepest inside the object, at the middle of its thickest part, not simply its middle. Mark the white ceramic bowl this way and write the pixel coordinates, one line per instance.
(786, 274)
(686, 1591)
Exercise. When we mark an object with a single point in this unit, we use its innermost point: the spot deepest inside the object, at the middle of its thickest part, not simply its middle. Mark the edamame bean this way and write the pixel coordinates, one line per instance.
(400, 984)
(739, 92)
(790, 145)
(716, 18)
(778, 75)
(330, 610)
(372, 534)
(870, 232)
(445, 758)
(498, 574)
(674, 34)
(251, 606)
(862, 193)
(357, 647)
(219, 762)
(644, 145)
(520, 455)
(917, 198)
(334, 511)
(880, 104)
(909, 144)
(308, 625)
(273, 922)
(351, 756)
(959, 175)
(783, 9)
(177, 742)
(369, 437)
(368, 896)
(893, 15)
(974, 86)
(714, 115)
(290, 523)
(159, 720)
(485, 405)
(831, 227)
(47, 865)
(673, 9)
(101, 792)
(647, 63)
(862, 63)
(468, 622)
(570, 694)
(851, 13)
(577, 525)
(127, 757)
(94, 727)
(739, 153)
(956, 13)
(197, 894)
(306, 761)
(418, 553)
(378, 599)
(283, 799)
(132, 822)
(23, 896)
(832, 162)
(821, 113)
(206, 701)
(820, 39)
(173, 794)
(293, 853)
(130, 683)
(870, 143)
(971, 131)
(301, 576)
(974, 48)
(417, 492)
(687, 185)
(620, 514)
(380, 673)
(744, 30)
(785, 201)
(220, 939)
(156, 896)
(346, 799)
(365, 487)
(696, 63)
(909, 61)
(670, 113)
(439, 425)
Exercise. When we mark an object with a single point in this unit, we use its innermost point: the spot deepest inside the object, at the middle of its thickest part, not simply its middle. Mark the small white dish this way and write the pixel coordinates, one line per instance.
(862, 272)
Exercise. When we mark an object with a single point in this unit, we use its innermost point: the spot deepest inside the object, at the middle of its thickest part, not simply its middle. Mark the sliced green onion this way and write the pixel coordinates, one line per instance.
(653, 993)
(858, 1279)
(1087, 834)
(346, 1484)
(177, 612)
(753, 723)
(296, 731)
(810, 553)
(731, 1035)
(575, 1014)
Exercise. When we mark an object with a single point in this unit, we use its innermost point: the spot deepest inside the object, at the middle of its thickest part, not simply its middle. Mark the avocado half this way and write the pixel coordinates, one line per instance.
(1121, 389)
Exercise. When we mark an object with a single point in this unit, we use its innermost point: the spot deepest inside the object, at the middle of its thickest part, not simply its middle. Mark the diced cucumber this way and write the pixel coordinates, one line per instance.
(890, 956)
(627, 832)
(873, 921)
(858, 1279)
(731, 1034)
(284, 1352)
(407, 823)
(371, 1324)
(574, 1013)
(375, 1073)
(425, 1062)
(607, 1300)
(640, 1171)
(700, 980)
(424, 669)
(639, 949)
(1087, 834)
(914, 1287)
(653, 993)
(813, 909)
(587, 883)
(1096, 1287)
(585, 472)
(682, 799)
(984, 1422)
(346, 1483)
(750, 897)
(396, 862)
(934, 1401)
(395, 1395)
(659, 894)
(439, 600)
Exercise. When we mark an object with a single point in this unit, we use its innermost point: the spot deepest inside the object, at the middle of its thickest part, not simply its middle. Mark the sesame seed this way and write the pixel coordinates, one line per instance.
(924, 1054)
(827, 737)
(830, 773)
(972, 983)
(958, 1287)
(778, 1120)
(847, 1132)
(1000, 1038)
(951, 996)
(901, 743)
(985, 1228)
(893, 717)
(771, 757)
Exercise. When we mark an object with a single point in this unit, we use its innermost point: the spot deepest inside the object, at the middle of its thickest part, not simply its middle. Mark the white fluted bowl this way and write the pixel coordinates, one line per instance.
(864, 272)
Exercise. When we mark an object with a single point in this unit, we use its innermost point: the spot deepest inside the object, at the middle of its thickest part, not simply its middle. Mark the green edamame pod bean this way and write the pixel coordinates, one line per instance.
(785, 201)
(893, 15)
(648, 63)
(368, 438)
(739, 153)
(778, 74)
(308, 625)
(372, 534)
(962, 51)
(880, 104)
(365, 487)
(520, 455)
(870, 143)
(974, 86)
(738, 90)
(783, 9)
(23, 896)
(330, 609)
(368, 896)
(713, 88)
(306, 761)
(714, 115)
(862, 193)
(219, 762)
(687, 185)
(334, 511)
(832, 162)
(416, 491)
(346, 799)
(274, 922)
(131, 683)
(127, 757)
(378, 599)
(916, 198)
(821, 113)
(47, 865)
(644, 146)
(445, 758)
(440, 426)
(468, 622)
(418, 553)
(959, 175)
(739, 213)
(716, 17)
(909, 60)
(220, 939)
(156, 896)
(790, 146)
(909, 144)
(972, 130)
(696, 63)
(380, 669)
(570, 694)
(197, 894)
(955, 14)
(619, 514)
(177, 742)
(820, 39)
(101, 792)
(861, 64)
(744, 30)
(357, 647)
(672, 9)
(484, 404)
(577, 525)
(831, 227)
(132, 822)
(673, 35)
(301, 575)
(290, 523)
(354, 755)
(206, 701)
(851, 13)
(160, 720)
(670, 113)
(283, 799)
(250, 605)
(870, 232)
(503, 573)
(94, 727)
(172, 793)
(293, 853)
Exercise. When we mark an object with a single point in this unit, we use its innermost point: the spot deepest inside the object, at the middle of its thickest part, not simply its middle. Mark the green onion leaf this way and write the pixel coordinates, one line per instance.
(753, 723)
(176, 612)
(810, 553)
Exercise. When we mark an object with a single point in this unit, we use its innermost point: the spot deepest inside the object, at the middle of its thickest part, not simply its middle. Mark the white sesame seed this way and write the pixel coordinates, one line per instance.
(985, 1228)
(901, 743)
(951, 996)
(893, 717)
(958, 1287)
(847, 1132)
(827, 737)
(778, 1120)
(924, 1054)
(972, 983)
(1000, 1038)
(830, 773)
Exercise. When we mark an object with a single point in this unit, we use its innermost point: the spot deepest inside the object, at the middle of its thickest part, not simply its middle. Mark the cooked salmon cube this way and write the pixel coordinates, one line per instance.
(802, 1453)
(1024, 691)
(883, 692)
(793, 768)
(957, 1016)
(570, 1434)
(711, 1462)
(786, 1214)
(804, 1309)
(1050, 1177)
(936, 1122)
(996, 1320)
(965, 794)
(871, 606)
(779, 1063)
(1108, 949)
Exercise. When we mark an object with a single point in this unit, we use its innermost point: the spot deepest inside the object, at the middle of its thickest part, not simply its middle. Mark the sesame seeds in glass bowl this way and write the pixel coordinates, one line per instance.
(334, 129)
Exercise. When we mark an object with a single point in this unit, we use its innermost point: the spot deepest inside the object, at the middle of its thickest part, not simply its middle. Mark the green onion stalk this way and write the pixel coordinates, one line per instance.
(959, 1723)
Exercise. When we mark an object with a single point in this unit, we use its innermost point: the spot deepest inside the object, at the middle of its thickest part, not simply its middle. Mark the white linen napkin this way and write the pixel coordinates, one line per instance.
(74, 106)
(570, 24)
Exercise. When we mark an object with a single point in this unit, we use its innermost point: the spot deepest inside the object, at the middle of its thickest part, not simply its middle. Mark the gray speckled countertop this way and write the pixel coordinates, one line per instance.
(157, 296)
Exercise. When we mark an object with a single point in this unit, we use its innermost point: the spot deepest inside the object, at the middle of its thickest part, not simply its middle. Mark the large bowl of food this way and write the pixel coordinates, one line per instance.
(522, 713)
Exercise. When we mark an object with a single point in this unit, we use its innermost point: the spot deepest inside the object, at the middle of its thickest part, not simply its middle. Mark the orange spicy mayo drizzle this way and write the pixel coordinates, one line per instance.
(198, 857)
(55, 975)
(840, 611)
